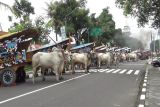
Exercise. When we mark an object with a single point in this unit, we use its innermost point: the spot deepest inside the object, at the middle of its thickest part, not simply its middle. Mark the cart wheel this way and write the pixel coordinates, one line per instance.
(8, 77)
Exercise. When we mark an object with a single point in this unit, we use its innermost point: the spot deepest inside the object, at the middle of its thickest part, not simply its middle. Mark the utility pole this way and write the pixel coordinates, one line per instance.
(1, 27)
(151, 46)
(159, 39)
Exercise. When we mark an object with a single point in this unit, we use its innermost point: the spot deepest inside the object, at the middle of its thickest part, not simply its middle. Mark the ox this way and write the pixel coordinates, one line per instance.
(123, 57)
(116, 59)
(81, 58)
(104, 57)
(132, 56)
(54, 60)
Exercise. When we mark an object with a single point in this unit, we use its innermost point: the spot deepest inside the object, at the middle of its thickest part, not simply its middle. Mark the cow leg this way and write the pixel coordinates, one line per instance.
(57, 76)
(56, 72)
(99, 64)
(34, 74)
(73, 68)
(85, 68)
(109, 64)
(61, 70)
(43, 71)
(88, 67)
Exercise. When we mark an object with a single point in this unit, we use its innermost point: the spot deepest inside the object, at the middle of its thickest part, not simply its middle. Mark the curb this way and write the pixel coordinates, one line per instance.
(142, 96)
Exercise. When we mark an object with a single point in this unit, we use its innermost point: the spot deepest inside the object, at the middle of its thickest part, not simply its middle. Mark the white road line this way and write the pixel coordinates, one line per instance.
(145, 80)
(132, 64)
(34, 91)
(79, 70)
(129, 72)
(143, 89)
(123, 71)
(116, 71)
(144, 84)
(93, 70)
(142, 97)
(141, 105)
(104, 70)
(136, 72)
(110, 71)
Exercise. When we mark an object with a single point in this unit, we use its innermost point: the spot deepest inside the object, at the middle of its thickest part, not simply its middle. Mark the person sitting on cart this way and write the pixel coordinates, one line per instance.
(72, 42)
(82, 41)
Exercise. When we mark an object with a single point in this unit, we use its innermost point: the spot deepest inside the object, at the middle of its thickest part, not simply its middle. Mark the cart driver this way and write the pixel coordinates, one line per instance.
(72, 42)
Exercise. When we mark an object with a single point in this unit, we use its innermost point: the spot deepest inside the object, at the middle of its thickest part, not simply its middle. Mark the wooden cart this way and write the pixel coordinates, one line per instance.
(14, 55)
(13, 48)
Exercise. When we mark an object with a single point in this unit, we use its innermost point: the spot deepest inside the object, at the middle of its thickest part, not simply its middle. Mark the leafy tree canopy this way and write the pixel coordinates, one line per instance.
(23, 9)
(145, 10)
(69, 13)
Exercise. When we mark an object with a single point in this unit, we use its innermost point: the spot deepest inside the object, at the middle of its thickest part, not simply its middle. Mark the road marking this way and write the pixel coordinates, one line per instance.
(34, 91)
(130, 71)
(106, 70)
(145, 80)
(142, 97)
(93, 70)
(123, 71)
(110, 71)
(136, 72)
(144, 84)
(116, 71)
(143, 89)
(141, 105)
(132, 64)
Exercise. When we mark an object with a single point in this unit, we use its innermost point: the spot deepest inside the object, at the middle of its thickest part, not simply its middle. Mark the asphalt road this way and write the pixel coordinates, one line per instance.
(114, 87)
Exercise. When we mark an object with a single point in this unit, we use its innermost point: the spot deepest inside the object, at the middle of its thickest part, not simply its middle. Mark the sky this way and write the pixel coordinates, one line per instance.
(95, 6)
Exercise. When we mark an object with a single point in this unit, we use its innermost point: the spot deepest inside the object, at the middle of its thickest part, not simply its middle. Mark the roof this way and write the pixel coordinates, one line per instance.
(104, 48)
(51, 45)
(3, 33)
(27, 34)
(99, 47)
(82, 46)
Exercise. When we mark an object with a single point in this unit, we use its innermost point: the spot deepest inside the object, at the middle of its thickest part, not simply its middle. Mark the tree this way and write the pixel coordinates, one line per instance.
(5, 6)
(107, 24)
(69, 13)
(104, 25)
(43, 29)
(154, 45)
(22, 9)
(145, 10)
(119, 38)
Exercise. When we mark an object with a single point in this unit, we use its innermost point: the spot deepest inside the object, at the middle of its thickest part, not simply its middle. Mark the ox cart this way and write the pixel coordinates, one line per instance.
(101, 49)
(83, 48)
(13, 48)
(14, 55)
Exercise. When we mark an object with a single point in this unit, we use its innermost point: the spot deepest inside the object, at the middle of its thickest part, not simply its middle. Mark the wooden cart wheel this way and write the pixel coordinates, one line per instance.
(7, 77)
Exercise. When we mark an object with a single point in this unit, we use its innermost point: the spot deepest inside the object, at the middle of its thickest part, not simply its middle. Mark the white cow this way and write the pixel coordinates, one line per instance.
(123, 57)
(116, 59)
(81, 58)
(104, 57)
(54, 60)
(132, 56)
